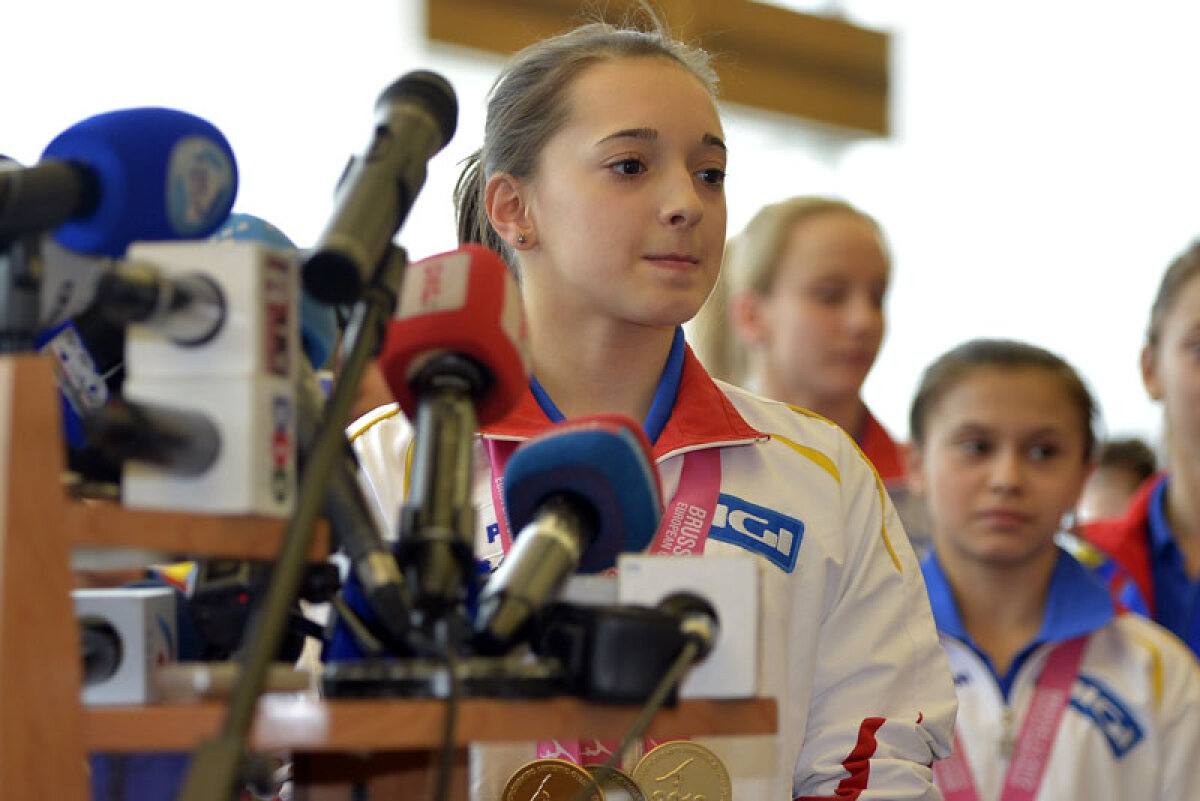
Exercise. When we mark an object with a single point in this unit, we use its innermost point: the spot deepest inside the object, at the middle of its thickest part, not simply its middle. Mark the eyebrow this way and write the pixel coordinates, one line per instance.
(649, 135)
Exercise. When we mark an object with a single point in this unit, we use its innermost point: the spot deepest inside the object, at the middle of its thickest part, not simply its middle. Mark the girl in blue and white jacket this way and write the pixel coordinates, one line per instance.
(1061, 695)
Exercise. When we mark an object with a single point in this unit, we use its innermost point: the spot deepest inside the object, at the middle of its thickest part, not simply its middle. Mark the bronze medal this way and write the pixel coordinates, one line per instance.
(683, 769)
(617, 785)
(552, 780)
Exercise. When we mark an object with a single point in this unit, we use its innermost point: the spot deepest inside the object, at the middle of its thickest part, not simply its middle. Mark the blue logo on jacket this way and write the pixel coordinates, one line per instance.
(1115, 722)
(756, 528)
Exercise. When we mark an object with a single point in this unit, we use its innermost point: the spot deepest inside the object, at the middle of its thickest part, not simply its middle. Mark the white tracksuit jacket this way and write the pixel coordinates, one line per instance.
(1132, 729)
(848, 645)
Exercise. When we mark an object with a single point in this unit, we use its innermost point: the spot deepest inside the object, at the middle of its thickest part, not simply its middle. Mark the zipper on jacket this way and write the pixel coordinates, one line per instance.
(1007, 740)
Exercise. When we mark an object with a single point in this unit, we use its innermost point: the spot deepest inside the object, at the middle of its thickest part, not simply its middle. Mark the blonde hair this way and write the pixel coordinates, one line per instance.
(751, 263)
(526, 107)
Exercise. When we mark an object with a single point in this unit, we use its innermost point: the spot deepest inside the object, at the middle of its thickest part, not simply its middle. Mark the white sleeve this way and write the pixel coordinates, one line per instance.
(380, 440)
(883, 702)
(1179, 733)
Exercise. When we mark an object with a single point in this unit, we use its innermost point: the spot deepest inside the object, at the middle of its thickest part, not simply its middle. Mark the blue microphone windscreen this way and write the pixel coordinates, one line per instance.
(159, 175)
(606, 468)
(318, 322)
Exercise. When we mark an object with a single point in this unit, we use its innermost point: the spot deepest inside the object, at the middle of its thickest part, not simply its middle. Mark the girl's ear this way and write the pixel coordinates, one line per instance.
(1150, 379)
(914, 469)
(508, 211)
(747, 316)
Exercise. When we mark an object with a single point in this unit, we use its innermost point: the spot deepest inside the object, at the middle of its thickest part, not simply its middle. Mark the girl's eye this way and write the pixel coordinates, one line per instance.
(973, 447)
(630, 166)
(713, 176)
(829, 295)
(1042, 453)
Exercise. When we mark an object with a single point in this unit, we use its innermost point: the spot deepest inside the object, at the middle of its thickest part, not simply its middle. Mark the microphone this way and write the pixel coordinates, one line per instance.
(352, 519)
(414, 118)
(455, 357)
(181, 443)
(578, 496)
(142, 173)
(318, 322)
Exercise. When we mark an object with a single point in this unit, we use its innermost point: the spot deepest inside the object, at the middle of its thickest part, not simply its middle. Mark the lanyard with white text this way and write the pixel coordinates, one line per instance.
(683, 530)
(1050, 698)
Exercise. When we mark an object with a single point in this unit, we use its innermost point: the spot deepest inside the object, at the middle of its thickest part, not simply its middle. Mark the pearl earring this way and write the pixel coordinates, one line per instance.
(521, 240)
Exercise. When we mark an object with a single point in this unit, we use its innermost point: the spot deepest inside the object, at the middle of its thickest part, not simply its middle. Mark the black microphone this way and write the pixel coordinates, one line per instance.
(181, 442)
(576, 497)
(351, 519)
(414, 118)
(454, 356)
(100, 648)
(188, 309)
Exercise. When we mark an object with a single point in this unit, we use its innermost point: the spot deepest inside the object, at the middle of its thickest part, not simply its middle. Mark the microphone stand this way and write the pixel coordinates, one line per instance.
(20, 294)
(219, 763)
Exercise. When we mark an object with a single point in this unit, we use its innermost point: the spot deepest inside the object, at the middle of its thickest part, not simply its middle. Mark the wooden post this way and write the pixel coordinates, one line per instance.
(41, 730)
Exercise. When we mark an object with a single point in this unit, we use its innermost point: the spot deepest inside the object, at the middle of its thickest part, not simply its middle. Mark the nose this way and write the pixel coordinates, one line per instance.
(1006, 475)
(865, 315)
(681, 203)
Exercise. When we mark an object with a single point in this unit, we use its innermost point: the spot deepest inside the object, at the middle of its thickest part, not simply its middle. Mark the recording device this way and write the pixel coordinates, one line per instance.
(142, 173)
(125, 634)
(729, 585)
(455, 357)
(620, 653)
(576, 497)
(414, 118)
(318, 322)
(241, 378)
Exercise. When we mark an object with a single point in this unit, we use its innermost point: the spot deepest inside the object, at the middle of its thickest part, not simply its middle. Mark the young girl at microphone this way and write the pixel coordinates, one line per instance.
(600, 181)
(1061, 696)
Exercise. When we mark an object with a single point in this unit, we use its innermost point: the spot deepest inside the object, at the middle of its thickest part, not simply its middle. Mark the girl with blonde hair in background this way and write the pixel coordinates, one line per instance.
(798, 316)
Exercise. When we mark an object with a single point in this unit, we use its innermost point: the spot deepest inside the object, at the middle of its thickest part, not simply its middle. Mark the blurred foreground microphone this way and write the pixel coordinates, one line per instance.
(143, 173)
(455, 356)
(414, 118)
(241, 377)
(351, 518)
(576, 497)
(318, 322)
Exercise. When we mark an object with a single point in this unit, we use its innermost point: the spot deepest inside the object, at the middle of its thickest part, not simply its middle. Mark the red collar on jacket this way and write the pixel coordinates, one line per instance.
(879, 447)
(702, 415)
(1127, 538)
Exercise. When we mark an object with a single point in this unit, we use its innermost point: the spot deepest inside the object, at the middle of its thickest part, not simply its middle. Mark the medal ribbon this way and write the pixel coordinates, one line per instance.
(683, 531)
(1050, 698)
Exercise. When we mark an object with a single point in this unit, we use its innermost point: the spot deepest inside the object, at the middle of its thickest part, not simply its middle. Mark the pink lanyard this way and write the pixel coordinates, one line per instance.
(683, 530)
(1050, 698)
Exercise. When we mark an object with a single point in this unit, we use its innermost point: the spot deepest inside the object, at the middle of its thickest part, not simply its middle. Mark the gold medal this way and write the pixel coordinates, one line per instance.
(617, 786)
(683, 769)
(552, 780)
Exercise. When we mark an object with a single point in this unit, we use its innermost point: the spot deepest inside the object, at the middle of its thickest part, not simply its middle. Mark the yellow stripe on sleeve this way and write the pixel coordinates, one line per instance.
(827, 464)
(1156, 667)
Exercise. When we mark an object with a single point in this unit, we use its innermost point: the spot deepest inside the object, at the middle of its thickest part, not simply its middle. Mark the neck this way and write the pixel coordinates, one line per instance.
(1001, 606)
(615, 371)
(1183, 510)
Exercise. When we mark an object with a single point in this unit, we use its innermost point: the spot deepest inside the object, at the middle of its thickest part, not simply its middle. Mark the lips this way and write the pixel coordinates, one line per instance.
(1004, 518)
(680, 259)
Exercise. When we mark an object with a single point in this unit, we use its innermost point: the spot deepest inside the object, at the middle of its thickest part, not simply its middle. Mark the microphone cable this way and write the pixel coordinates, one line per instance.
(687, 656)
(445, 763)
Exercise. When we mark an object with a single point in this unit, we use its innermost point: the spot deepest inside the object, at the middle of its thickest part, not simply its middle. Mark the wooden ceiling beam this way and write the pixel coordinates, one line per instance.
(767, 57)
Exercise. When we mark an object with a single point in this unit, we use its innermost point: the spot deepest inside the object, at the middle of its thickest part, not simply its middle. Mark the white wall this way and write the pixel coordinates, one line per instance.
(1036, 185)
